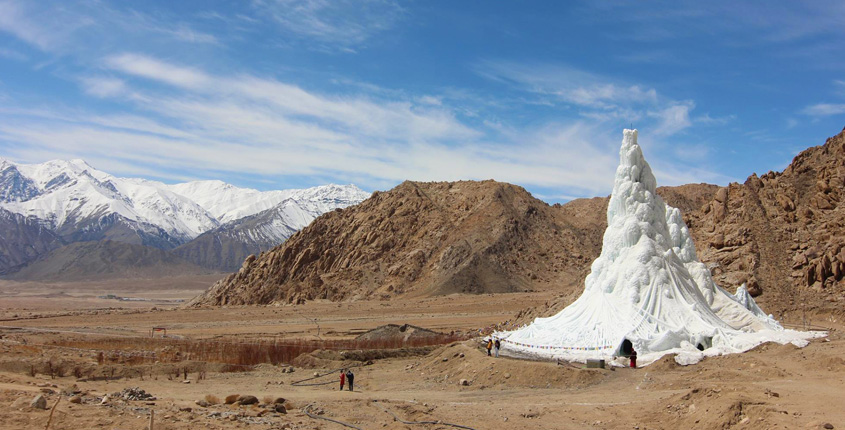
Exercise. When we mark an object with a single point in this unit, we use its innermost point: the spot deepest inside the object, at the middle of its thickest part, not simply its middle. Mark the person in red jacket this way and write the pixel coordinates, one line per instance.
(342, 379)
(633, 358)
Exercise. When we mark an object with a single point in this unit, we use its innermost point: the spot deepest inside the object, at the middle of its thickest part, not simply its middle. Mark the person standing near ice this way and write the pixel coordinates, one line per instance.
(350, 378)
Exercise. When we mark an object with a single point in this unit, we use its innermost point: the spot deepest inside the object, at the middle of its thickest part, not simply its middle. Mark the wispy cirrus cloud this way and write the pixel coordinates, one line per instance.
(46, 34)
(241, 123)
(148, 67)
(595, 96)
(103, 86)
(824, 109)
(59, 27)
(567, 84)
(343, 24)
(673, 118)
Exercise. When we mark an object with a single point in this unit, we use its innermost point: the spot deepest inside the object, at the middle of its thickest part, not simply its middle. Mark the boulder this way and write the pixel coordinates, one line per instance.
(39, 402)
(247, 400)
(785, 202)
(281, 409)
(231, 398)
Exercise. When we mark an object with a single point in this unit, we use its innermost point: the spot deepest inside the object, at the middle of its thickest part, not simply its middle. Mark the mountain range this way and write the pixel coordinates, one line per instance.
(781, 233)
(206, 225)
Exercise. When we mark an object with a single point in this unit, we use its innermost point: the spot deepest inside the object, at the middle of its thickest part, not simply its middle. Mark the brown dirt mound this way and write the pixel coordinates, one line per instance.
(329, 358)
(404, 332)
(481, 371)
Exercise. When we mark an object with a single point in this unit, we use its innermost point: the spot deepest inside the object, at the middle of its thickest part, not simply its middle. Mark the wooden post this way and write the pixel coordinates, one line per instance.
(152, 418)
(53, 409)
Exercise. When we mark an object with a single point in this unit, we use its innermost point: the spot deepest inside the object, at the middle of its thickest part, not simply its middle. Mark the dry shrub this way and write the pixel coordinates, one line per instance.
(238, 353)
(268, 400)
(212, 399)
(232, 398)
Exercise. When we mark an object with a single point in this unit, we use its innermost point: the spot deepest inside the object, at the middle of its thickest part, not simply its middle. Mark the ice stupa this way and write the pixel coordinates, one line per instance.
(648, 290)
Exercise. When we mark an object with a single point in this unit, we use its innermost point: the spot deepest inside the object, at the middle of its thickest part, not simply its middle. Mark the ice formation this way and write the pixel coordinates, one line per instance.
(649, 288)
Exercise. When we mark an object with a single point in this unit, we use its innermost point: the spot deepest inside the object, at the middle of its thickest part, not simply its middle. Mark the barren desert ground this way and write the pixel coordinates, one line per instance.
(772, 386)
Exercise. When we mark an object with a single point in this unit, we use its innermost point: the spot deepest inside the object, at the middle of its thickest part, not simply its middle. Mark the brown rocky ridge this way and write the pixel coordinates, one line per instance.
(422, 239)
(781, 233)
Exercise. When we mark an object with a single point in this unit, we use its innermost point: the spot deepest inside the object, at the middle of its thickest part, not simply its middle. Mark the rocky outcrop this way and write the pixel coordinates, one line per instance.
(782, 233)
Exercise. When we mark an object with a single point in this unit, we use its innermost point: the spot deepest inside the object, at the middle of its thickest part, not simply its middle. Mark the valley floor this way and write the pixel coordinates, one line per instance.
(772, 386)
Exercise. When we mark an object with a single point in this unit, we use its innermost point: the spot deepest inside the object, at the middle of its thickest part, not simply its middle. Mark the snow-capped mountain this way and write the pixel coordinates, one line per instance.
(227, 246)
(227, 202)
(72, 196)
(81, 203)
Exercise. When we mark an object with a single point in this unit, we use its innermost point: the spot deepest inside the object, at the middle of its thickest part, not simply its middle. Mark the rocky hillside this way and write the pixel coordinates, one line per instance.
(422, 239)
(106, 259)
(23, 240)
(783, 233)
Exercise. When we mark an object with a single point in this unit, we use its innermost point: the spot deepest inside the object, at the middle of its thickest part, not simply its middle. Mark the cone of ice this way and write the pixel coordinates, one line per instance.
(647, 290)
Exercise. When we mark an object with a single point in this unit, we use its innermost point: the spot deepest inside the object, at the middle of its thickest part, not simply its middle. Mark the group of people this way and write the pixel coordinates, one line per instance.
(346, 377)
(495, 345)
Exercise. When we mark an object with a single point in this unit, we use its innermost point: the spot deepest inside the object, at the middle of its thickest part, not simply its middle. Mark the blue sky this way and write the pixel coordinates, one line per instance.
(289, 93)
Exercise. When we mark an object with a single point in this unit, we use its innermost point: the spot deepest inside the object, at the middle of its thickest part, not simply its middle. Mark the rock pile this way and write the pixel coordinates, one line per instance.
(132, 393)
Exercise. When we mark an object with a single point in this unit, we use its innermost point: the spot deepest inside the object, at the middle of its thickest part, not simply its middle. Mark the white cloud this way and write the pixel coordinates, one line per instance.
(568, 84)
(824, 109)
(342, 23)
(673, 119)
(431, 100)
(104, 86)
(207, 123)
(15, 18)
(242, 96)
(151, 68)
(58, 27)
(270, 128)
